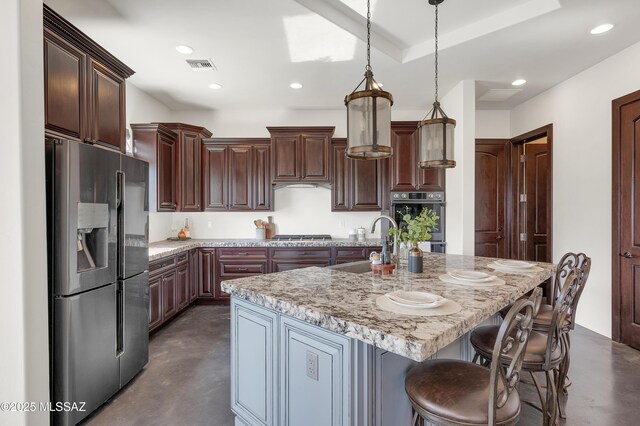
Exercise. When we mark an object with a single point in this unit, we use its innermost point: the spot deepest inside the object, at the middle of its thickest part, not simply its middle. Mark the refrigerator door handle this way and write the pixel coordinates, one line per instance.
(120, 321)
(120, 206)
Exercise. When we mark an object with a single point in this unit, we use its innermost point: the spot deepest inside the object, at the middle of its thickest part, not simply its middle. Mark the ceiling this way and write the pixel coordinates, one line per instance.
(259, 47)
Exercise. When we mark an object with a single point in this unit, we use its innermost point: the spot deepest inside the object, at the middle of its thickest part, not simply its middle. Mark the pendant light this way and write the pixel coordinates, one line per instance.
(436, 129)
(369, 114)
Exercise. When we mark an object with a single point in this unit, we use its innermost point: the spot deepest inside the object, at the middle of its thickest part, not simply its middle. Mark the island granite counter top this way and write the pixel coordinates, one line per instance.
(161, 249)
(344, 302)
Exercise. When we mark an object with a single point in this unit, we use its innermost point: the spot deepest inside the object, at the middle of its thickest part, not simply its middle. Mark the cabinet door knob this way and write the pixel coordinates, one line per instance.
(499, 237)
(626, 255)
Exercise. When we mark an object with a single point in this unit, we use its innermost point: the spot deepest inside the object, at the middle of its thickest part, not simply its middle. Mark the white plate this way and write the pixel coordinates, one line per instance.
(416, 299)
(493, 283)
(514, 264)
(473, 276)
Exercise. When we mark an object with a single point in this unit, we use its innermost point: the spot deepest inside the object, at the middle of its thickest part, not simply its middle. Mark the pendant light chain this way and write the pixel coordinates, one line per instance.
(368, 35)
(436, 53)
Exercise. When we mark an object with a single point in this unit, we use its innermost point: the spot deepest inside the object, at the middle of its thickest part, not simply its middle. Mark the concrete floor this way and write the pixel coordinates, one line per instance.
(187, 379)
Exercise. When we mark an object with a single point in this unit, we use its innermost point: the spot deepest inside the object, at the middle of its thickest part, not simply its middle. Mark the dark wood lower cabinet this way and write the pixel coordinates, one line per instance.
(207, 277)
(286, 259)
(155, 302)
(169, 306)
(177, 281)
(194, 275)
(182, 286)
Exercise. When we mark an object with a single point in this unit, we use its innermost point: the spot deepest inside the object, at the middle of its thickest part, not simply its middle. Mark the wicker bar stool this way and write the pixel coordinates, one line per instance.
(452, 392)
(545, 350)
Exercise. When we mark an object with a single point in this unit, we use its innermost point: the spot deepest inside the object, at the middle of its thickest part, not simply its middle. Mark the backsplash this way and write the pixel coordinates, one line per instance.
(297, 211)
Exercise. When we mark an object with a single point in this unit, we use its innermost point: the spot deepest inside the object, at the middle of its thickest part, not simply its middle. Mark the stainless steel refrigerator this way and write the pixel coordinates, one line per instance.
(97, 235)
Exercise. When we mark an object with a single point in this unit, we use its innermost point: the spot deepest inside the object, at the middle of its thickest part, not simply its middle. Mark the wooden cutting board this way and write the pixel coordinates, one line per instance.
(270, 228)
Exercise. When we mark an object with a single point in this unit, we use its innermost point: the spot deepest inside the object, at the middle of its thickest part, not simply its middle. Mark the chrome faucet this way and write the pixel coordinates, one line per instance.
(396, 255)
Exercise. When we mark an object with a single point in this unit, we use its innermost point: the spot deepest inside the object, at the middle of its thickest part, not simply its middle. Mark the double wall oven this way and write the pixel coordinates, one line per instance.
(413, 203)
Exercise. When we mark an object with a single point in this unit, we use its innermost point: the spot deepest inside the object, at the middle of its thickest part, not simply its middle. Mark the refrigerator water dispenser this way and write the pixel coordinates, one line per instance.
(93, 236)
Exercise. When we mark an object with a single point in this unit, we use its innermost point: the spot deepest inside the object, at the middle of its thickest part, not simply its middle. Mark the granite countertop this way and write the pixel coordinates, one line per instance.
(160, 249)
(345, 302)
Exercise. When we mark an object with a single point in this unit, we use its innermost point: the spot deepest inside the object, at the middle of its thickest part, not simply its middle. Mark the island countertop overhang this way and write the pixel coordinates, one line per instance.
(344, 302)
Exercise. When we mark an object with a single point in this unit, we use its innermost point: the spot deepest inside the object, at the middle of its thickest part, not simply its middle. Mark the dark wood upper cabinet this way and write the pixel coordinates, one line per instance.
(237, 174)
(300, 154)
(357, 185)
(64, 91)
(156, 144)
(215, 177)
(405, 174)
(341, 180)
(240, 178)
(189, 165)
(262, 177)
(84, 86)
(106, 106)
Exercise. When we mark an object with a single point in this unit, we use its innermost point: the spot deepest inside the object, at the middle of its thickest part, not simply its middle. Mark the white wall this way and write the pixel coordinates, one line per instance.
(493, 124)
(23, 305)
(142, 108)
(254, 123)
(297, 211)
(580, 110)
(459, 104)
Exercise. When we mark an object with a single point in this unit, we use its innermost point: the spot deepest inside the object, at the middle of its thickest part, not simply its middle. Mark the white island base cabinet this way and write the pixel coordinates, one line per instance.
(291, 373)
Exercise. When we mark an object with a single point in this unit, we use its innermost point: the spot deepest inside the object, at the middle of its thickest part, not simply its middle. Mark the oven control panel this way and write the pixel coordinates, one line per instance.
(426, 197)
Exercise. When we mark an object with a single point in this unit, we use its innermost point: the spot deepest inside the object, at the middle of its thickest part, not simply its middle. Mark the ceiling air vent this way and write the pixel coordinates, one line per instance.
(201, 65)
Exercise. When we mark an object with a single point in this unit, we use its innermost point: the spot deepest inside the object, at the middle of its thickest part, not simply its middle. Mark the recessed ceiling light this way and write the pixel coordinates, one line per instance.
(519, 82)
(185, 50)
(295, 86)
(601, 29)
(215, 86)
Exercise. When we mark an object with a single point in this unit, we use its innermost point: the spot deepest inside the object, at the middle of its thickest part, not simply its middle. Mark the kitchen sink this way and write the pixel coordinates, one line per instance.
(359, 267)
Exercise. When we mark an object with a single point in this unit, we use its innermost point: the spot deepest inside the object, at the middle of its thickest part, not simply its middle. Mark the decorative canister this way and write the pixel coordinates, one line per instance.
(260, 233)
(415, 260)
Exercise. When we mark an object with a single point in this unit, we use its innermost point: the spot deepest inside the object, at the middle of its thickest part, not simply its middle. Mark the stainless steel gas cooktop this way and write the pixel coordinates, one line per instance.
(313, 237)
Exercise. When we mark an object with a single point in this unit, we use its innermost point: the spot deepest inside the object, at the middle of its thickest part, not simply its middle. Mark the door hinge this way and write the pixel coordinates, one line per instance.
(522, 158)
(523, 236)
(523, 198)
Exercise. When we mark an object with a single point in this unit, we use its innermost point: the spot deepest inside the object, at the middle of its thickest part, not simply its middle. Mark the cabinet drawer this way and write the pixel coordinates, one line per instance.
(182, 258)
(162, 264)
(351, 253)
(242, 268)
(303, 253)
(239, 253)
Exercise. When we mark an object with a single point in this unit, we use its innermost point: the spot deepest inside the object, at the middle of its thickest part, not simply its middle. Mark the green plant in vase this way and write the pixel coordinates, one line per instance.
(411, 230)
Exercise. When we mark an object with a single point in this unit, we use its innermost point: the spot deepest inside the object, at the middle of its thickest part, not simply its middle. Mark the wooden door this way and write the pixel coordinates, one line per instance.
(404, 138)
(106, 106)
(182, 286)
(166, 188)
(340, 183)
(190, 170)
(430, 179)
(535, 188)
(626, 220)
(285, 158)
(194, 274)
(314, 157)
(64, 87)
(240, 177)
(207, 266)
(261, 186)
(215, 177)
(155, 301)
(169, 305)
(490, 194)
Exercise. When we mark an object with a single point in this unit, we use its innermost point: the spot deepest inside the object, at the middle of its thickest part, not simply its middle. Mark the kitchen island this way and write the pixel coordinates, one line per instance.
(312, 347)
